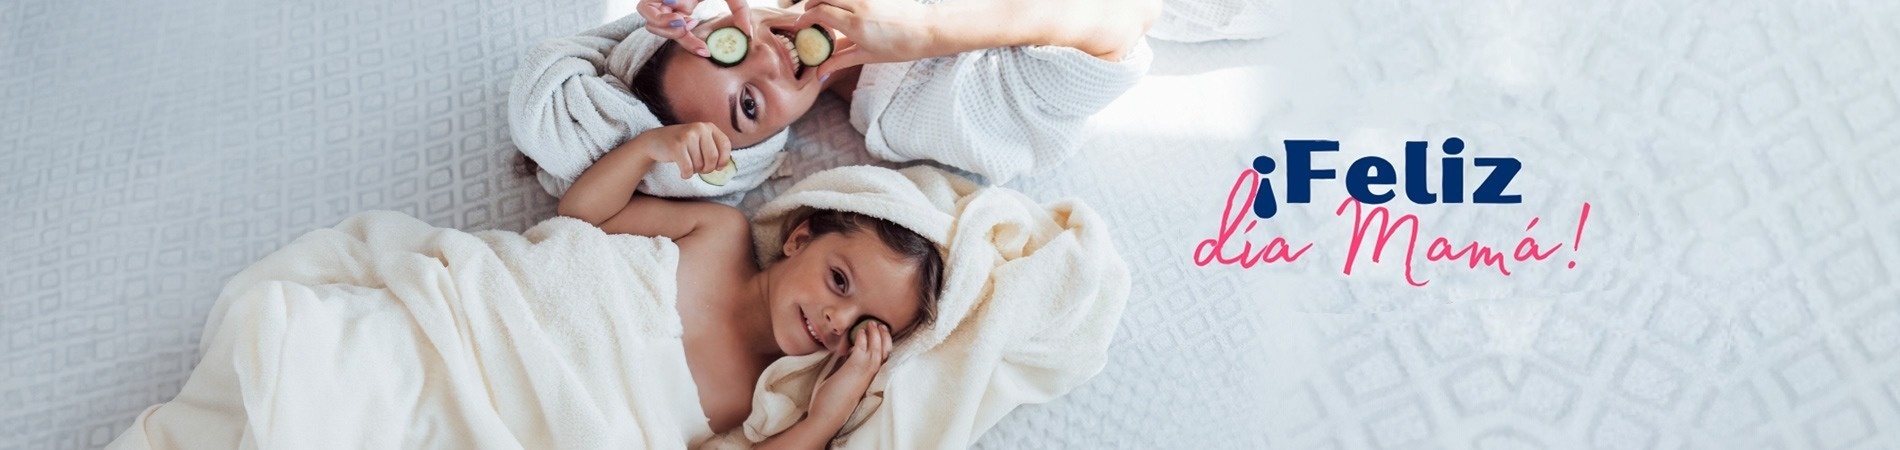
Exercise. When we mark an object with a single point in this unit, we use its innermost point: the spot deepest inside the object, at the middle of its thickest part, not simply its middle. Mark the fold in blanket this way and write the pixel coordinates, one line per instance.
(384, 332)
(1032, 295)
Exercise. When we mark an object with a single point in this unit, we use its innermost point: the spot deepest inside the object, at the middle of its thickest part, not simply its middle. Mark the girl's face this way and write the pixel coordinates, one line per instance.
(751, 101)
(826, 285)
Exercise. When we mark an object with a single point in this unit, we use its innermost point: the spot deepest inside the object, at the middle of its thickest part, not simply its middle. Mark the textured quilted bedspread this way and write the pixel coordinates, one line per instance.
(1733, 288)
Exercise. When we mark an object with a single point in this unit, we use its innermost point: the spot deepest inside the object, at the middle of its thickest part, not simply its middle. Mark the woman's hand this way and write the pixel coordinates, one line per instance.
(673, 19)
(697, 147)
(875, 31)
(834, 399)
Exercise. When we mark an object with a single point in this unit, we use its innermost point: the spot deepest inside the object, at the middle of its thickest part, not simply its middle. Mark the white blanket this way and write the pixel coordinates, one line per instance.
(384, 332)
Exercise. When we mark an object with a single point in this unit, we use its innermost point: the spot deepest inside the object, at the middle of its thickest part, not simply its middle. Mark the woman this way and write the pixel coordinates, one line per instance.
(993, 87)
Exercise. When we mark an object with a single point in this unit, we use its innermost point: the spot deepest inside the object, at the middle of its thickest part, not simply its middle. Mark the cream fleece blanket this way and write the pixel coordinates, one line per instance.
(384, 332)
(1032, 295)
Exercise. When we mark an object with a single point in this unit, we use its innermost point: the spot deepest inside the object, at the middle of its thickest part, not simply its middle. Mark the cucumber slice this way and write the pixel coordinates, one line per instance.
(721, 176)
(814, 46)
(728, 46)
(851, 339)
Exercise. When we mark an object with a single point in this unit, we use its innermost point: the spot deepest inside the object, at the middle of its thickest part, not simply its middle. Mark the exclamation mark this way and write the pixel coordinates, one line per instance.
(1577, 244)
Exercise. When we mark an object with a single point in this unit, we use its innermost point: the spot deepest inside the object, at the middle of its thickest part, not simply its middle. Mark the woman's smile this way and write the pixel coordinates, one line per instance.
(787, 52)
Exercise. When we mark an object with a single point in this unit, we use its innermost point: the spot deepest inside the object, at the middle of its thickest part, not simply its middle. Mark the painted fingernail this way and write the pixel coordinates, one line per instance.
(823, 78)
(676, 23)
(670, 2)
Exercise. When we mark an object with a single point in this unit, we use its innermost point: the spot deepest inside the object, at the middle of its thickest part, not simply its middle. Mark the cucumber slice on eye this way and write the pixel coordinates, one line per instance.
(722, 176)
(728, 46)
(814, 46)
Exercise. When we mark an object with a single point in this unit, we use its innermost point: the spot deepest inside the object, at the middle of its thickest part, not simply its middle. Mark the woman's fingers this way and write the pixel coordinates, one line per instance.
(845, 56)
(741, 16)
(674, 22)
(685, 6)
(659, 21)
(691, 42)
(846, 5)
(830, 16)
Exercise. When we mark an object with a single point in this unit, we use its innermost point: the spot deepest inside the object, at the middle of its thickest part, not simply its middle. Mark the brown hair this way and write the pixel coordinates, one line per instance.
(646, 86)
(903, 241)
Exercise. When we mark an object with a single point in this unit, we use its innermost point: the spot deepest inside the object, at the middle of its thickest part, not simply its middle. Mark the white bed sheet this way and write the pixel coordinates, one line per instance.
(1736, 287)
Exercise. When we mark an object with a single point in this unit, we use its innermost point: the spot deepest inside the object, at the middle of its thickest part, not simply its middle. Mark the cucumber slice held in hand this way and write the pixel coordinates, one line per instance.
(728, 46)
(722, 176)
(814, 46)
(851, 339)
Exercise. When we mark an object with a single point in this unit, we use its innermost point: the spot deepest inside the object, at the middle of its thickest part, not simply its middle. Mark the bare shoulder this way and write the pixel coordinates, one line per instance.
(720, 240)
(714, 222)
(679, 220)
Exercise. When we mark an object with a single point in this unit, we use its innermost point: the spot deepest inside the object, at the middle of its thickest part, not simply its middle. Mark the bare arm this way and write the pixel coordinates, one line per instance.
(1106, 29)
(880, 31)
(604, 194)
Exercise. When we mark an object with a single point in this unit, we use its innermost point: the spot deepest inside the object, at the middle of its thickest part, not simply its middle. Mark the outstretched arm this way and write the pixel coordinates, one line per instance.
(1103, 28)
(880, 31)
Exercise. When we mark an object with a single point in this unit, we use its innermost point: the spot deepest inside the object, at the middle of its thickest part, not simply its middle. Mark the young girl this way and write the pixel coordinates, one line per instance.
(996, 87)
(839, 269)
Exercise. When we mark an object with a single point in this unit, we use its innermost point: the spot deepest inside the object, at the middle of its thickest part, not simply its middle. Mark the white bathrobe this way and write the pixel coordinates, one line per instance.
(1000, 113)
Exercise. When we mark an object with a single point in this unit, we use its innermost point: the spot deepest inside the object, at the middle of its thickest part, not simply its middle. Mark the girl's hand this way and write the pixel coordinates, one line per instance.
(834, 399)
(875, 31)
(673, 19)
(697, 147)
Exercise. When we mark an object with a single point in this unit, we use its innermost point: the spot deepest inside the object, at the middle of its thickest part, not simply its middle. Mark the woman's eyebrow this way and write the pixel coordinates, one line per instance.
(732, 113)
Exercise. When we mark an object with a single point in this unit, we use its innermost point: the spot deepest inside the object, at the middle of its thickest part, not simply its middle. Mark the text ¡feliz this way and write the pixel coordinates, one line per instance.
(1363, 177)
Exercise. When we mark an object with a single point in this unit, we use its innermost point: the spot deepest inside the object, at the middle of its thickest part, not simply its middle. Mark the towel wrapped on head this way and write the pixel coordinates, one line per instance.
(570, 104)
(1032, 295)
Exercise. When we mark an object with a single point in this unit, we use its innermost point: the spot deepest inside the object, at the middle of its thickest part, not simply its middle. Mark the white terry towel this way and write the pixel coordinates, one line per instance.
(1032, 296)
(385, 332)
(569, 104)
(1000, 113)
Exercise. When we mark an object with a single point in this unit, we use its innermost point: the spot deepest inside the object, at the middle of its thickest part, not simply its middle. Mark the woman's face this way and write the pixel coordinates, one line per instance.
(750, 101)
(826, 285)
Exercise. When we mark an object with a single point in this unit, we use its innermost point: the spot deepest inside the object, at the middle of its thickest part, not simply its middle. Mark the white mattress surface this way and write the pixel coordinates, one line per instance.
(1734, 288)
